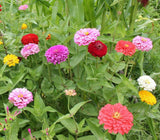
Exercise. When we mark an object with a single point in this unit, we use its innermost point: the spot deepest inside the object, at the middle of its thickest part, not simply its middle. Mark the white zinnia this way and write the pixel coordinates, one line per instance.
(146, 82)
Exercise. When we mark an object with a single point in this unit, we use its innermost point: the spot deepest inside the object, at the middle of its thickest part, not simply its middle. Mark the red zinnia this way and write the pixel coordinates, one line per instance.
(97, 49)
(125, 47)
(144, 2)
(116, 118)
(0, 7)
(29, 38)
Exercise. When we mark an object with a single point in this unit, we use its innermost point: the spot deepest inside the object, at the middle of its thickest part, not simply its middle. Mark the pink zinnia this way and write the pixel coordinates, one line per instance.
(125, 47)
(23, 7)
(142, 43)
(86, 36)
(116, 118)
(57, 54)
(20, 97)
(29, 49)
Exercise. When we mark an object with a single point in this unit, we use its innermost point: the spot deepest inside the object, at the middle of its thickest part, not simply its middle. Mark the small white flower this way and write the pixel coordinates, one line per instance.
(146, 82)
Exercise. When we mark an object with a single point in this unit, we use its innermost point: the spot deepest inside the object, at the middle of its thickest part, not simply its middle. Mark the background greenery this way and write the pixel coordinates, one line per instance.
(97, 82)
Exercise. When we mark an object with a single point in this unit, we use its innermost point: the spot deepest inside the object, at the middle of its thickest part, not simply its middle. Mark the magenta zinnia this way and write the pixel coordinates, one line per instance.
(86, 36)
(29, 49)
(20, 97)
(57, 54)
(116, 118)
(142, 43)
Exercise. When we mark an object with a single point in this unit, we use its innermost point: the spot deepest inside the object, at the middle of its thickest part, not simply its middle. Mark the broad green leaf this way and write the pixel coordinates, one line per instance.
(119, 137)
(47, 87)
(76, 59)
(76, 107)
(70, 125)
(38, 105)
(89, 137)
(98, 133)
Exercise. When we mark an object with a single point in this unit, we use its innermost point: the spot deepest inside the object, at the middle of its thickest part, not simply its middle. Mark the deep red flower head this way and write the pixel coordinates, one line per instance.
(125, 47)
(97, 49)
(29, 38)
(144, 2)
(116, 118)
(0, 7)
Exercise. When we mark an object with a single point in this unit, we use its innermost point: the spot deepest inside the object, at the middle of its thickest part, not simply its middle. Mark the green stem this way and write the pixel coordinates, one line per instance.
(76, 131)
(59, 69)
(133, 15)
(126, 68)
(70, 71)
(151, 126)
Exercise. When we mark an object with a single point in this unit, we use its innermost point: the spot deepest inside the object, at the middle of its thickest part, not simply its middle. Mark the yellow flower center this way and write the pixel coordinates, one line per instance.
(126, 45)
(86, 33)
(28, 47)
(20, 95)
(147, 81)
(116, 115)
(56, 50)
(143, 39)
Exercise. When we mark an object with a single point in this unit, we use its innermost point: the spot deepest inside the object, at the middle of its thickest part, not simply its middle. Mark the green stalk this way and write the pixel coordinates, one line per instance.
(152, 129)
(59, 69)
(73, 118)
(133, 15)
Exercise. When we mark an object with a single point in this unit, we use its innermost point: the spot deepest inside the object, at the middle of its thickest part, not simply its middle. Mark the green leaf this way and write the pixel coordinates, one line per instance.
(76, 59)
(96, 131)
(47, 87)
(76, 107)
(119, 137)
(70, 125)
(89, 137)
(38, 105)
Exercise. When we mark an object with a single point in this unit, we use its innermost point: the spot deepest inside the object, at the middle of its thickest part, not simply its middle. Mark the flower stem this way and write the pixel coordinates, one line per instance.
(59, 69)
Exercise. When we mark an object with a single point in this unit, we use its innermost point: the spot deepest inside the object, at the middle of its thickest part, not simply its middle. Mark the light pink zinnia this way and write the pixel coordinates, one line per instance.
(70, 92)
(116, 118)
(142, 43)
(20, 97)
(29, 49)
(86, 36)
(23, 7)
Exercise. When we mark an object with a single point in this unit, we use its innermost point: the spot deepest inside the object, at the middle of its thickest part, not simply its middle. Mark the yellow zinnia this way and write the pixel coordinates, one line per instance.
(24, 26)
(10, 60)
(1, 42)
(147, 97)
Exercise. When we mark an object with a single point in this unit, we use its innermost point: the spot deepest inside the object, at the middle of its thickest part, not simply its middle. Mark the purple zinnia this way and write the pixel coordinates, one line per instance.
(86, 36)
(57, 54)
(142, 43)
(20, 97)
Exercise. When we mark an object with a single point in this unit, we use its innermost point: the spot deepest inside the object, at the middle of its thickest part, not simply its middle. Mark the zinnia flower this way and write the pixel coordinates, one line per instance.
(57, 54)
(70, 92)
(1, 43)
(146, 82)
(143, 44)
(86, 36)
(48, 37)
(23, 7)
(20, 97)
(29, 38)
(24, 26)
(0, 7)
(116, 118)
(147, 97)
(125, 47)
(11, 60)
(144, 2)
(29, 49)
(97, 49)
